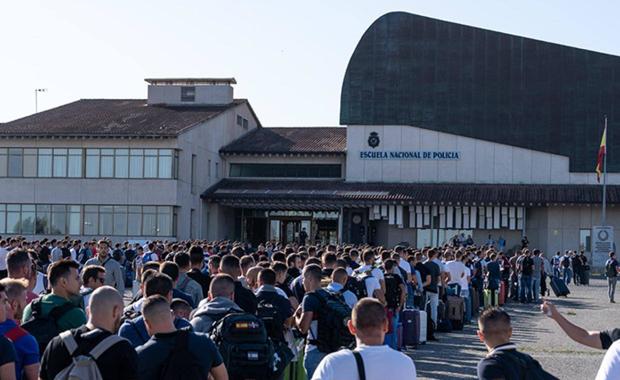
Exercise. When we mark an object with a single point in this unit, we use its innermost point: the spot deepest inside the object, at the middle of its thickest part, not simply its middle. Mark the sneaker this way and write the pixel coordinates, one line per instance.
(612, 301)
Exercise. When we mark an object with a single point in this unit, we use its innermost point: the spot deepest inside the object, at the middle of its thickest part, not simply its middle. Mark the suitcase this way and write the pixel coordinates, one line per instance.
(410, 320)
(487, 298)
(456, 311)
(501, 298)
(295, 370)
(441, 311)
(559, 287)
(400, 336)
(475, 299)
(423, 327)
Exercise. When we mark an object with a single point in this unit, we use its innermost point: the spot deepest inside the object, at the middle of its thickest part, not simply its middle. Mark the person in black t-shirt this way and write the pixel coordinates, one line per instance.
(244, 297)
(432, 290)
(601, 340)
(268, 294)
(503, 360)
(526, 267)
(198, 271)
(281, 276)
(154, 354)
(118, 362)
(294, 263)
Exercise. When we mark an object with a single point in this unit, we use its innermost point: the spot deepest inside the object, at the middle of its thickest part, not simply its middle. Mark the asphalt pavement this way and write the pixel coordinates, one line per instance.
(456, 354)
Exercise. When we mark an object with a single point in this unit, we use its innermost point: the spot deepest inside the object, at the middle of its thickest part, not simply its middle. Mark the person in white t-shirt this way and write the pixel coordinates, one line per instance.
(610, 366)
(3, 252)
(456, 270)
(375, 283)
(369, 324)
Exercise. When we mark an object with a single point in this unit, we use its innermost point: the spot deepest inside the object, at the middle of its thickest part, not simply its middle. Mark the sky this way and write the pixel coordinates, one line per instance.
(289, 57)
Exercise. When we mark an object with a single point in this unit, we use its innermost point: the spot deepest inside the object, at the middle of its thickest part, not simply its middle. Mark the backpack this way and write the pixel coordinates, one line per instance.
(66, 253)
(45, 327)
(270, 316)
(181, 362)
(565, 262)
(358, 284)
(146, 258)
(610, 268)
(84, 367)
(529, 368)
(334, 314)
(244, 345)
(392, 290)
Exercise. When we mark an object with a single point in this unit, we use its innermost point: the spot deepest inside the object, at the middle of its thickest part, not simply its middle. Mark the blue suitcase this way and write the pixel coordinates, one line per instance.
(410, 320)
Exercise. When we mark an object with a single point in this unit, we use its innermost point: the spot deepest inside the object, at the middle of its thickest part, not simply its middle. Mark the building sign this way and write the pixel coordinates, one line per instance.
(602, 244)
(410, 155)
(303, 214)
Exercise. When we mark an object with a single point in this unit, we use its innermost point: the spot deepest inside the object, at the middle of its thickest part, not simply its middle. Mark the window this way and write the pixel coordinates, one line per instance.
(45, 163)
(239, 120)
(60, 163)
(2, 219)
(217, 170)
(120, 220)
(73, 219)
(136, 163)
(150, 163)
(13, 220)
(43, 220)
(192, 216)
(91, 220)
(193, 174)
(59, 220)
(75, 163)
(107, 163)
(92, 163)
(134, 221)
(4, 160)
(15, 162)
(245, 123)
(30, 162)
(106, 220)
(585, 242)
(121, 163)
(165, 163)
(286, 170)
(188, 94)
(164, 221)
(149, 221)
(27, 219)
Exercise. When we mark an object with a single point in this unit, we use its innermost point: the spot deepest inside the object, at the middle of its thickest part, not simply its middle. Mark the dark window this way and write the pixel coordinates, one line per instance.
(286, 170)
(239, 120)
(245, 123)
(188, 94)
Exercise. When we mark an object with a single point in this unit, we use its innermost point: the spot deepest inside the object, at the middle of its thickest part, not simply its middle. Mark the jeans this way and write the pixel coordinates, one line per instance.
(536, 287)
(433, 298)
(568, 274)
(556, 272)
(611, 287)
(391, 339)
(525, 288)
(467, 299)
(312, 360)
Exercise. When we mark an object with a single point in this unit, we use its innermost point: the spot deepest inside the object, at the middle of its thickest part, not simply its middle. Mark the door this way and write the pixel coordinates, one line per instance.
(290, 230)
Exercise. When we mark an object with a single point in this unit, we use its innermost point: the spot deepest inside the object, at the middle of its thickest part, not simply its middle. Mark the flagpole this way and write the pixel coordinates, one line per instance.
(605, 178)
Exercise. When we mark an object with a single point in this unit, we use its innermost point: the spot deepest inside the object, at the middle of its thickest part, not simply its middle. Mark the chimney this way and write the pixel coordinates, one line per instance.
(190, 91)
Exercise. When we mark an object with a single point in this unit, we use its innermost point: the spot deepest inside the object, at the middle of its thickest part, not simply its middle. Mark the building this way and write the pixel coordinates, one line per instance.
(446, 130)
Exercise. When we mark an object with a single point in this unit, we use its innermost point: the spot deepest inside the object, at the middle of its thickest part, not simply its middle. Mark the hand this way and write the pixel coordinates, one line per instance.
(549, 309)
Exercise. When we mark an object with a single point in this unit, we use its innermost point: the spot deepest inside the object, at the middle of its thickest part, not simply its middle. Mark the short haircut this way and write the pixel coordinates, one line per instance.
(17, 259)
(229, 263)
(196, 255)
(389, 264)
(494, 321)
(215, 261)
(180, 304)
(60, 269)
(314, 271)
(368, 313)
(14, 287)
(368, 255)
(279, 267)
(290, 259)
(313, 261)
(154, 265)
(104, 298)
(267, 276)
(222, 285)
(329, 259)
(154, 307)
(147, 274)
(171, 269)
(182, 259)
(238, 251)
(279, 256)
(340, 275)
(159, 283)
(246, 261)
(91, 271)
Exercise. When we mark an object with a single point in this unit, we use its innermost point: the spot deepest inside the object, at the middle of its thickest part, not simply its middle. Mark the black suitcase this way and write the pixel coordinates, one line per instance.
(559, 287)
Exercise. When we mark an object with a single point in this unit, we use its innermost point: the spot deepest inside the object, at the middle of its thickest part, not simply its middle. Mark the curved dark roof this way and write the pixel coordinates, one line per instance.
(414, 70)
(340, 191)
(116, 117)
(320, 140)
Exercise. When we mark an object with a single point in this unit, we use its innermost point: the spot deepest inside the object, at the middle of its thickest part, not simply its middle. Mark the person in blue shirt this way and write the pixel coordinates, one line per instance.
(134, 330)
(13, 295)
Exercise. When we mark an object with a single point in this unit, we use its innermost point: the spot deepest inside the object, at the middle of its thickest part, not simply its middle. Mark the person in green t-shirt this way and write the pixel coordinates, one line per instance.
(65, 282)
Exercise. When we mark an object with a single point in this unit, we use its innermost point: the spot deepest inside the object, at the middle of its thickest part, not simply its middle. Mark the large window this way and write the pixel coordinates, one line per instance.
(286, 170)
(97, 162)
(90, 220)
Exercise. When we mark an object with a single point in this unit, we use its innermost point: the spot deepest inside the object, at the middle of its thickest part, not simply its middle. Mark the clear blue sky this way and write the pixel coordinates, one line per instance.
(289, 57)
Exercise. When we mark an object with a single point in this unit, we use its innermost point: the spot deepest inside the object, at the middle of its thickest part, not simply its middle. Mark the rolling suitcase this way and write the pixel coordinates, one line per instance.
(475, 299)
(423, 327)
(410, 320)
(456, 311)
(501, 299)
(487, 298)
(400, 336)
(559, 287)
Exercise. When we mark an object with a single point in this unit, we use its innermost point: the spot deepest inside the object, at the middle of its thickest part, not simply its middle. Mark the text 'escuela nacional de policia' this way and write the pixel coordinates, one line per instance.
(445, 129)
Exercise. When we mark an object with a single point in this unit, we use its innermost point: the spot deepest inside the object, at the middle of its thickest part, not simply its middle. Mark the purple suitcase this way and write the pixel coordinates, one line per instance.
(410, 320)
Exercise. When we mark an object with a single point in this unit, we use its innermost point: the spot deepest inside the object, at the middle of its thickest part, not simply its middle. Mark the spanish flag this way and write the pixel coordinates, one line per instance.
(602, 151)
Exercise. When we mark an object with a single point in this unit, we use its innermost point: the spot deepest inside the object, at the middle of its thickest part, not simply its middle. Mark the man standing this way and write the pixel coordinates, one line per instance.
(185, 283)
(13, 294)
(56, 251)
(113, 272)
(377, 361)
(93, 277)
(118, 361)
(244, 297)
(303, 235)
(432, 289)
(537, 274)
(3, 253)
(526, 267)
(611, 271)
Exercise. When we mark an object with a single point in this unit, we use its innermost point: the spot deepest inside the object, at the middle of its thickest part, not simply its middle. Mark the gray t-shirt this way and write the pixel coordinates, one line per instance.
(538, 264)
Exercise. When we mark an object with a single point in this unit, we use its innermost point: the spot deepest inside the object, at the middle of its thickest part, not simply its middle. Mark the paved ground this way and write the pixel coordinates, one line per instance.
(456, 354)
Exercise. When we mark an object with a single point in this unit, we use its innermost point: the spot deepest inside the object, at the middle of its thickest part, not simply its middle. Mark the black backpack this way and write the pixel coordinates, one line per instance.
(528, 368)
(357, 285)
(610, 268)
(334, 314)
(565, 262)
(392, 290)
(66, 253)
(45, 327)
(243, 342)
(182, 364)
(269, 314)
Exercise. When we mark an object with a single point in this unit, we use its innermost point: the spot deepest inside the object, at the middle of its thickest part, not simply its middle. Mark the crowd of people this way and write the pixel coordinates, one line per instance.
(226, 310)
